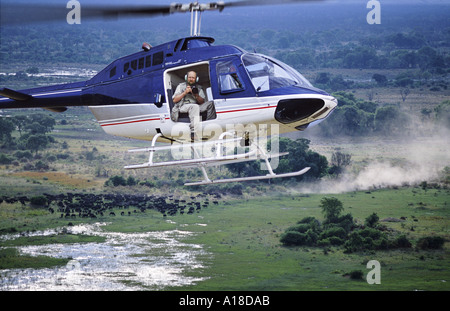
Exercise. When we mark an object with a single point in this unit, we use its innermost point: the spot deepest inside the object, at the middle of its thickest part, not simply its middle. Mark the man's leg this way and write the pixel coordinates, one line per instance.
(194, 116)
(209, 107)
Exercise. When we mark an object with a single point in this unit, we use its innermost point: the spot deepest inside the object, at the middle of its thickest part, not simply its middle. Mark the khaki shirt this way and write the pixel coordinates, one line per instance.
(189, 98)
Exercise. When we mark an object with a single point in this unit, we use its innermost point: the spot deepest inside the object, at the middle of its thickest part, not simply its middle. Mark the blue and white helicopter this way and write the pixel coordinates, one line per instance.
(254, 96)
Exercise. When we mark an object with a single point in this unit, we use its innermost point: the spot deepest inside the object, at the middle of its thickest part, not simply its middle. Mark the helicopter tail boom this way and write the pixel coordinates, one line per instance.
(55, 98)
(15, 95)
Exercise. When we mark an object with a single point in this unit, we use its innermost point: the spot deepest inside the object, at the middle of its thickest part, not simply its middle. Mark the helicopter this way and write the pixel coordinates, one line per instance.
(252, 96)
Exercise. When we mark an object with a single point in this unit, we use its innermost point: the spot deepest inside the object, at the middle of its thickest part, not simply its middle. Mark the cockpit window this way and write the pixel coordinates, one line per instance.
(268, 74)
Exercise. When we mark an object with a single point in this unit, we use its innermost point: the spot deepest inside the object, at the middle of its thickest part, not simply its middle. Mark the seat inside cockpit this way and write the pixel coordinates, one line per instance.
(176, 76)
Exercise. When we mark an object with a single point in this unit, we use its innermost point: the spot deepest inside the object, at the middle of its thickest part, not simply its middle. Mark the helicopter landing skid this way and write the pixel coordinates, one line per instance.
(219, 158)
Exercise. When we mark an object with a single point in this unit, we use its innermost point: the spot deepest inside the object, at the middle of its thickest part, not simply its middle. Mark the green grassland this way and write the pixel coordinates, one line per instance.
(241, 238)
(247, 255)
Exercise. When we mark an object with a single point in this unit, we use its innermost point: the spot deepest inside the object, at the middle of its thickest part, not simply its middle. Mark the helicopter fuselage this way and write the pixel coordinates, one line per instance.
(132, 96)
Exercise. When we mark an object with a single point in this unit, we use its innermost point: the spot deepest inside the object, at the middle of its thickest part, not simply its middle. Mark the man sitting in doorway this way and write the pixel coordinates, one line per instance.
(190, 98)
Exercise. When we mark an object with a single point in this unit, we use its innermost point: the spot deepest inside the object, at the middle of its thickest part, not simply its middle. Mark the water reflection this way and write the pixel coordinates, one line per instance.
(125, 261)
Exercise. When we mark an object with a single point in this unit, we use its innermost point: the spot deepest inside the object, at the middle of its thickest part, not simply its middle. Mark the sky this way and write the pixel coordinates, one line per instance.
(329, 13)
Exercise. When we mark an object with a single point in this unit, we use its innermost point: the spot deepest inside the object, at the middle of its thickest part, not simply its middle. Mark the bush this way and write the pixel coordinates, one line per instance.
(345, 222)
(334, 240)
(324, 242)
(63, 156)
(116, 181)
(148, 183)
(333, 232)
(23, 154)
(339, 230)
(372, 220)
(302, 228)
(131, 181)
(354, 243)
(308, 220)
(402, 242)
(431, 242)
(295, 238)
(370, 233)
(311, 237)
(291, 238)
(4, 159)
(356, 275)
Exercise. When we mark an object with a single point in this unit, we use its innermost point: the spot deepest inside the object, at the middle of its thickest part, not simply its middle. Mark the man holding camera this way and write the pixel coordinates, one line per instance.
(190, 98)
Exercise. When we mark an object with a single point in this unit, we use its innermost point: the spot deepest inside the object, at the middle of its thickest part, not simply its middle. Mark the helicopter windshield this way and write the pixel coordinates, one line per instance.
(267, 74)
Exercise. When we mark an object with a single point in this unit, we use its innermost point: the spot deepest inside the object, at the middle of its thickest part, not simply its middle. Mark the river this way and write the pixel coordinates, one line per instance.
(125, 261)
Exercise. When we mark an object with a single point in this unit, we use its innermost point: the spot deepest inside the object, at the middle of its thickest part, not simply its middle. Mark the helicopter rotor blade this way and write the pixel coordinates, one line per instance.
(265, 2)
(20, 13)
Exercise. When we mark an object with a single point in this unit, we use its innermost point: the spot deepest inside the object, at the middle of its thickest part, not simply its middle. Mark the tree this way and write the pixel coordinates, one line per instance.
(300, 157)
(36, 142)
(40, 123)
(404, 93)
(442, 113)
(4, 159)
(36, 128)
(6, 128)
(372, 220)
(390, 120)
(331, 208)
(20, 123)
(323, 78)
(339, 160)
(381, 80)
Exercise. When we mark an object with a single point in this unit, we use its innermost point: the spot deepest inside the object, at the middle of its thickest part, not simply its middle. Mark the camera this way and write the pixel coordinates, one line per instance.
(194, 90)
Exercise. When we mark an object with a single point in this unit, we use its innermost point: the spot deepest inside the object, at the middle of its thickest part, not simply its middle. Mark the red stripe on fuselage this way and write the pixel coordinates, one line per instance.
(155, 119)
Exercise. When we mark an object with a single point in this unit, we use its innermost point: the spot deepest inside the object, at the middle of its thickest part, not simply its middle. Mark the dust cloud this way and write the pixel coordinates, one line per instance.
(409, 161)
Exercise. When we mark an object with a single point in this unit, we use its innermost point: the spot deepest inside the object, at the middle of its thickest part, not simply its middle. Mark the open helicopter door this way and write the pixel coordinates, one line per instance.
(217, 155)
(173, 77)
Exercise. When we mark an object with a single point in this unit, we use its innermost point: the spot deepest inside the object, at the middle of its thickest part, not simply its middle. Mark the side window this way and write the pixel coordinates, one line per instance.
(126, 69)
(228, 77)
(141, 63)
(158, 58)
(134, 64)
(112, 73)
(148, 61)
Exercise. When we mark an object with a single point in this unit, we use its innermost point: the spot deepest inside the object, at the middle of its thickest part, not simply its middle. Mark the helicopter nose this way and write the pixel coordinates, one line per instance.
(300, 112)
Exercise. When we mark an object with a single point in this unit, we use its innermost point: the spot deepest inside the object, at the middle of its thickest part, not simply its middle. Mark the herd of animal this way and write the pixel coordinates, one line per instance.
(88, 205)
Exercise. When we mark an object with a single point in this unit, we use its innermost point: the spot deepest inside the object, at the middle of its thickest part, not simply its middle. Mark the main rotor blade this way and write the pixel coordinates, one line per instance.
(21, 13)
(29, 13)
(265, 2)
